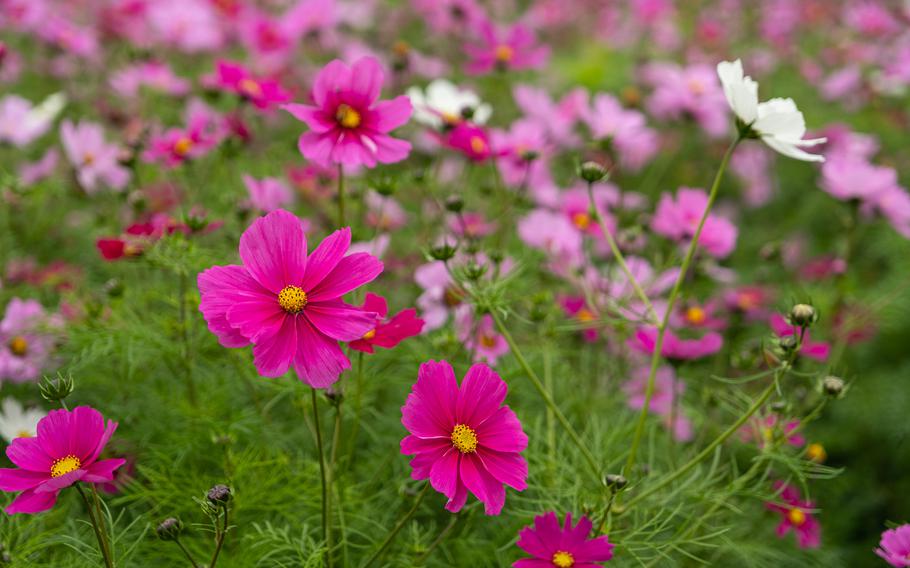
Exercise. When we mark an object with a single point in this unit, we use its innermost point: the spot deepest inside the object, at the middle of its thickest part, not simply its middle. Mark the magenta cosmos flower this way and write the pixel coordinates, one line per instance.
(288, 305)
(463, 439)
(348, 124)
(564, 546)
(237, 79)
(387, 333)
(894, 546)
(65, 451)
(796, 515)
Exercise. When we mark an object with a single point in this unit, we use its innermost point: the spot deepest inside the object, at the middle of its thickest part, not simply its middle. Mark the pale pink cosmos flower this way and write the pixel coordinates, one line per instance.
(288, 304)
(65, 451)
(677, 218)
(752, 165)
(26, 343)
(471, 225)
(384, 212)
(871, 18)
(94, 159)
(31, 173)
(21, 122)
(626, 130)
(479, 336)
(675, 347)
(894, 546)
(153, 75)
(513, 48)
(688, 92)
(554, 234)
(267, 194)
(558, 118)
(449, 15)
(462, 438)
(523, 152)
(668, 389)
(191, 26)
(349, 125)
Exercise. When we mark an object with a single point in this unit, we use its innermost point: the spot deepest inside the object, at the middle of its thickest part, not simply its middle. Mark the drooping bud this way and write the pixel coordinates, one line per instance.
(169, 529)
(591, 172)
(833, 386)
(802, 315)
(57, 388)
(615, 481)
(219, 495)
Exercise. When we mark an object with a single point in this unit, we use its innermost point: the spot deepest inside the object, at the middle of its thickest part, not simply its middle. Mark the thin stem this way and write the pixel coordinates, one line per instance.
(551, 423)
(617, 254)
(340, 196)
(671, 302)
(606, 514)
(397, 528)
(186, 553)
(185, 338)
(326, 499)
(442, 535)
(330, 471)
(102, 540)
(709, 449)
(219, 538)
(358, 403)
(545, 394)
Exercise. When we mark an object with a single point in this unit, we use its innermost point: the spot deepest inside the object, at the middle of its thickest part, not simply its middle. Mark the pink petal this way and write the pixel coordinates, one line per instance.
(317, 146)
(325, 258)
(55, 484)
(103, 471)
(221, 287)
(430, 408)
(455, 504)
(483, 485)
(389, 115)
(444, 473)
(334, 77)
(366, 79)
(340, 321)
(319, 360)
(31, 502)
(257, 318)
(351, 272)
(507, 467)
(273, 353)
(390, 150)
(502, 432)
(375, 303)
(54, 433)
(314, 117)
(482, 392)
(86, 430)
(28, 453)
(21, 479)
(273, 249)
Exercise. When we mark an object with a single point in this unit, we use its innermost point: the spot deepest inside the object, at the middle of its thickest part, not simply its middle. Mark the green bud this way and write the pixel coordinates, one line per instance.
(591, 172)
(57, 388)
(454, 204)
(802, 315)
(615, 481)
(443, 252)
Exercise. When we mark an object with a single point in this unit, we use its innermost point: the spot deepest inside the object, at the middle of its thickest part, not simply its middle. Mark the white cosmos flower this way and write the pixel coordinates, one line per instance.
(16, 422)
(777, 122)
(445, 103)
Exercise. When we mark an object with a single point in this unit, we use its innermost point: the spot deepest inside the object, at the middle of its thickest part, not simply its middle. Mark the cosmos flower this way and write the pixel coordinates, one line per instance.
(17, 422)
(479, 336)
(64, 452)
(25, 341)
(349, 124)
(267, 194)
(777, 122)
(262, 93)
(462, 438)
(95, 160)
(512, 49)
(21, 123)
(677, 218)
(387, 333)
(566, 546)
(287, 304)
(471, 140)
(667, 387)
(796, 515)
(674, 347)
(894, 546)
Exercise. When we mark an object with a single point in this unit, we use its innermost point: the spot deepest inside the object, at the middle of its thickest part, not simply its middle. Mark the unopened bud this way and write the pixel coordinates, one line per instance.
(443, 252)
(615, 481)
(383, 185)
(591, 172)
(474, 271)
(169, 529)
(454, 204)
(57, 388)
(219, 495)
(802, 315)
(113, 288)
(788, 343)
(833, 386)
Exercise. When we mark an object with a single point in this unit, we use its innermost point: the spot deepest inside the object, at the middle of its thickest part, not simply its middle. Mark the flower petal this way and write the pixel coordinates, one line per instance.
(339, 320)
(482, 392)
(319, 360)
(483, 485)
(325, 258)
(274, 353)
(351, 272)
(273, 249)
(31, 502)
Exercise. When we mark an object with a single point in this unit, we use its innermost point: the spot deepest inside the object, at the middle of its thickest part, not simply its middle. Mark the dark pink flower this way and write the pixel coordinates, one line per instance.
(796, 515)
(645, 340)
(349, 124)
(513, 48)
(470, 139)
(386, 333)
(577, 308)
(462, 438)
(565, 546)
(287, 304)
(237, 79)
(894, 546)
(65, 451)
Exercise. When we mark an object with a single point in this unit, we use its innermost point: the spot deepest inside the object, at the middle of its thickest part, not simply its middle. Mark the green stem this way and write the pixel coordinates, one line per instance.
(97, 527)
(186, 553)
(397, 528)
(709, 449)
(184, 337)
(671, 302)
(326, 499)
(545, 394)
(551, 423)
(330, 471)
(340, 196)
(442, 535)
(219, 539)
(617, 254)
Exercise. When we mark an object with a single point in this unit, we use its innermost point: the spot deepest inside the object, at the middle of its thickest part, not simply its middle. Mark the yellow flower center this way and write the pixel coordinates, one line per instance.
(65, 465)
(478, 146)
(19, 346)
(796, 517)
(504, 53)
(450, 118)
(401, 48)
(87, 159)
(816, 452)
(24, 434)
(585, 315)
(292, 299)
(696, 87)
(347, 116)
(563, 559)
(370, 334)
(453, 296)
(696, 315)
(581, 220)
(250, 88)
(182, 146)
(488, 341)
(464, 439)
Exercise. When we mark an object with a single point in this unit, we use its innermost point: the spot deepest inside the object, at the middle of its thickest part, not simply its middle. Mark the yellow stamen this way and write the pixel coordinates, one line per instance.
(87, 159)
(696, 87)
(292, 299)
(696, 315)
(401, 48)
(478, 146)
(816, 452)
(488, 341)
(19, 346)
(250, 88)
(464, 439)
(182, 146)
(504, 53)
(24, 434)
(563, 559)
(347, 116)
(581, 220)
(585, 315)
(65, 465)
(450, 118)
(370, 334)
(796, 517)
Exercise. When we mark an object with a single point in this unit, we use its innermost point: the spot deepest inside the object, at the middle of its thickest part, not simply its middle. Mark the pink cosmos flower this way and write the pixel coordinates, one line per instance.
(564, 546)
(471, 140)
(523, 151)
(96, 161)
(684, 92)
(288, 305)
(155, 75)
(479, 336)
(577, 308)
(645, 340)
(267, 194)
(699, 316)
(894, 546)
(818, 350)
(750, 301)
(752, 165)
(677, 218)
(349, 125)
(471, 225)
(65, 452)
(449, 15)
(31, 173)
(847, 176)
(386, 333)
(25, 344)
(384, 212)
(513, 49)
(552, 233)
(262, 93)
(576, 206)
(462, 438)
(666, 388)
(189, 25)
(441, 294)
(557, 118)
(763, 431)
(796, 515)
(626, 130)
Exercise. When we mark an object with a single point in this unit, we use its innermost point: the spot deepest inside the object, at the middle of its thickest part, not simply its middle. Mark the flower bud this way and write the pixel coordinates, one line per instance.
(443, 252)
(615, 481)
(591, 172)
(788, 343)
(454, 204)
(833, 386)
(474, 271)
(57, 388)
(816, 452)
(334, 395)
(113, 288)
(802, 315)
(219, 495)
(383, 185)
(169, 529)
